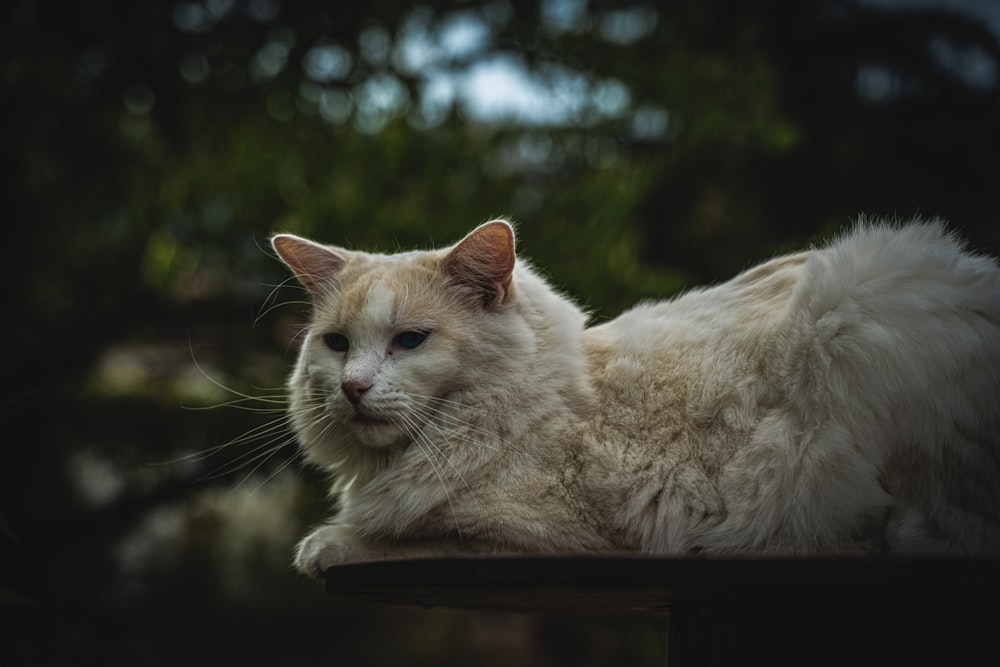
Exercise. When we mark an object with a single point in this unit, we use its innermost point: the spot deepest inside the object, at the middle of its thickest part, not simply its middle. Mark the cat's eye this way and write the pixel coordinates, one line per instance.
(336, 342)
(411, 339)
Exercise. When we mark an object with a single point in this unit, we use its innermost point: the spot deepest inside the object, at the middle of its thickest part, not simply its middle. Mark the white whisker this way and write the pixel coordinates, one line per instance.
(253, 434)
(277, 471)
(429, 449)
(439, 405)
(271, 301)
(238, 404)
(261, 443)
(263, 458)
(459, 428)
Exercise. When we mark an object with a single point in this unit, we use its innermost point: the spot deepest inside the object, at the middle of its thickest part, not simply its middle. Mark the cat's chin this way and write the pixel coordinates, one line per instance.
(376, 432)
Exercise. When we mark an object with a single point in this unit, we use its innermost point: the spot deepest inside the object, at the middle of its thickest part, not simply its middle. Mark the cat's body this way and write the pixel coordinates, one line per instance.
(840, 400)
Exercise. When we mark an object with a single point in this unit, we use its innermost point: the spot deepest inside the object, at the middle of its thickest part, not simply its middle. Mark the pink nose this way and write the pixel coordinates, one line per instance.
(354, 389)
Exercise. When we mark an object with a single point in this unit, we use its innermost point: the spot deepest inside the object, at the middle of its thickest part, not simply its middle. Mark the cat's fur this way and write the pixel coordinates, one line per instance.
(840, 400)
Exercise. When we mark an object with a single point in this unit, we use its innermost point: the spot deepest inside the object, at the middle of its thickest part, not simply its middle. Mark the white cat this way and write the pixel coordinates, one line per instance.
(840, 400)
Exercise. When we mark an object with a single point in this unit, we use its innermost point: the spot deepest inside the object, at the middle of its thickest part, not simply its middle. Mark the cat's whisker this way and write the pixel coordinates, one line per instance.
(420, 434)
(451, 438)
(308, 409)
(299, 334)
(239, 404)
(274, 306)
(429, 449)
(447, 401)
(250, 436)
(264, 430)
(193, 457)
(439, 448)
(276, 435)
(430, 407)
(431, 416)
(272, 435)
(329, 426)
(271, 301)
(316, 410)
(263, 458)
(261, 453)
(243, 396)
(277, 471)
(443, 403)
(465, 427)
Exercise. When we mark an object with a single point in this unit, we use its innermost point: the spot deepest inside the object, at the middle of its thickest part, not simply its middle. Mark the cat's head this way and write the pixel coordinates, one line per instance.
(395, 338)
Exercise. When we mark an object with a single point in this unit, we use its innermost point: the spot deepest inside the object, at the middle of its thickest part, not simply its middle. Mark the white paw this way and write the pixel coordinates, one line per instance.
(325, 547)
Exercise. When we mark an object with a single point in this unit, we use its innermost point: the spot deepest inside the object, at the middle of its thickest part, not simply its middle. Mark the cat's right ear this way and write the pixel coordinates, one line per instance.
(313, 264)
(484, 260)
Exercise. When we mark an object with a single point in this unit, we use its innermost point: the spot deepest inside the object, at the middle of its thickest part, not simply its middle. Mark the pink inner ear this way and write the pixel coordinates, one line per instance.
(485, 260)
(313, 264)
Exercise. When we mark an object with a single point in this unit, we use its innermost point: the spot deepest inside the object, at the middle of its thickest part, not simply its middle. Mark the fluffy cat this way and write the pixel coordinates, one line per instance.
(845, 399)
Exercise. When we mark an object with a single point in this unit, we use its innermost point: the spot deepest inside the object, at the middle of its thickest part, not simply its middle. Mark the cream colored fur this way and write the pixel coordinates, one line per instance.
(839, 400)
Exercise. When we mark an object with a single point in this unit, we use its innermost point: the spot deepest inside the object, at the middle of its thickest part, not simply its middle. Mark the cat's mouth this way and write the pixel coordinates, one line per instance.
(363, 418)
(376, 430)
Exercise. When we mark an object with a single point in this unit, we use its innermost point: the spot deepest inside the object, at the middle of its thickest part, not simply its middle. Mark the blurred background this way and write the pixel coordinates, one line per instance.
(149, 491)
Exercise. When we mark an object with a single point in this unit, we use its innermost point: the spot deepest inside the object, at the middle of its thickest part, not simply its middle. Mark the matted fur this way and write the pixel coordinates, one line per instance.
(839, 400)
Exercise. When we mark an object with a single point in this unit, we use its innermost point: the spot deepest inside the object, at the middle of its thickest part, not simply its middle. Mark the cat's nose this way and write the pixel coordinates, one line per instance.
(354, 389)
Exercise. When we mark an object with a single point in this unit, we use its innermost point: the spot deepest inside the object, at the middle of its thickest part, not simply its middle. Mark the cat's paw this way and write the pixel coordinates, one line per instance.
(325, 547)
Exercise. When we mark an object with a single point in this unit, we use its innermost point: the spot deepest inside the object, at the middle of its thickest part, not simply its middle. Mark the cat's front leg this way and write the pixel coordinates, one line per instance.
(329, 545)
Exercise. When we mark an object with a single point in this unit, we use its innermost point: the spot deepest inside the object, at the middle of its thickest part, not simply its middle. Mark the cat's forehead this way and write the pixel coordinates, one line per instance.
(381, 288)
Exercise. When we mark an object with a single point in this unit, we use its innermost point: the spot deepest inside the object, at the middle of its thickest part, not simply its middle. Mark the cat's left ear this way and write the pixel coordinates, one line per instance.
(484, 260)
(313, 264)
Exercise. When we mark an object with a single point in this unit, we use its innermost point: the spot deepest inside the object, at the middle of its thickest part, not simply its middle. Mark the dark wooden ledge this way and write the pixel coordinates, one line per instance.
(602, 584)
(816, 612)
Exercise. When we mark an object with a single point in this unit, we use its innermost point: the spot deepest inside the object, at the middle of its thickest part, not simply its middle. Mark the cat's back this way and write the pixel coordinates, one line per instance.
(908, 292)
(684, 379)
(888, 274)
(891, 314)
(704, 342)
(821, 392)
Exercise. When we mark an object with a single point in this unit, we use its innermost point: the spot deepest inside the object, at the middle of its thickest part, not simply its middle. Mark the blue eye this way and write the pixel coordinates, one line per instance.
(336, 342)
(411, 339)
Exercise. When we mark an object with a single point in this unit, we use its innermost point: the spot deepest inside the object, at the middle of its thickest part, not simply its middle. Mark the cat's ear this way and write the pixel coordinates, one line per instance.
(484, 260)
(313, 264)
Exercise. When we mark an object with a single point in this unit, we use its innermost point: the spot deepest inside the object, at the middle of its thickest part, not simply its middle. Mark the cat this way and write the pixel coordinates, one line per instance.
(840, 400)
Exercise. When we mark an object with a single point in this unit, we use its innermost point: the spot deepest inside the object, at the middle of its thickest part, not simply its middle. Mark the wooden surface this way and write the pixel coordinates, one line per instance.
(602, 584)
(720, 613)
